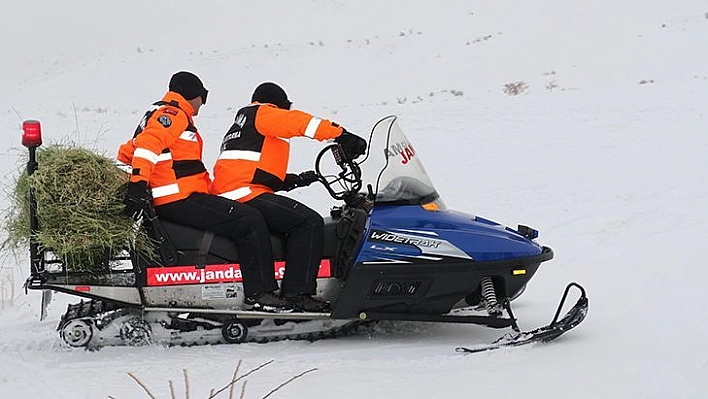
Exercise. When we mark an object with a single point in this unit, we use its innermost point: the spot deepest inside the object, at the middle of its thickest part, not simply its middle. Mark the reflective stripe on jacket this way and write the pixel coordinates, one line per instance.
(166, 151)
(256, 149)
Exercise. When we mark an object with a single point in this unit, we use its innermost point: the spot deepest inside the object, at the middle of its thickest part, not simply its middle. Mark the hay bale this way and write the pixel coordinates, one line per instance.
(79, 208)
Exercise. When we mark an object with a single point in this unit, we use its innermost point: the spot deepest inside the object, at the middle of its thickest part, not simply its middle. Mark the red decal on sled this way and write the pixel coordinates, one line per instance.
(210, 274)
(82, 288)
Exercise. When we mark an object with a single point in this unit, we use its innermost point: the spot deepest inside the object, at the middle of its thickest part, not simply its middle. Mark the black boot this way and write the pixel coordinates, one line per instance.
(306, 303)
(267, 302)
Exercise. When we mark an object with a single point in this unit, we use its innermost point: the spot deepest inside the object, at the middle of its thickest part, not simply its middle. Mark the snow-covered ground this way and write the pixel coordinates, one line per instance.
(604, 150)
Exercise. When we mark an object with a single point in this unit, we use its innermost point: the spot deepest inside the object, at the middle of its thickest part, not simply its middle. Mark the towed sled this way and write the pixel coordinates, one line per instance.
(393, 251)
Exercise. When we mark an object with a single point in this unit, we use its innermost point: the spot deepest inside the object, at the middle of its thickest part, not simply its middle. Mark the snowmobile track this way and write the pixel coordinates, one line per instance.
(95, 323)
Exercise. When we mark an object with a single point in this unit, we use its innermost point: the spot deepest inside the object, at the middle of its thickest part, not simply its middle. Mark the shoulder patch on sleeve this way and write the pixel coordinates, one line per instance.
(164, 120)
(169, 111)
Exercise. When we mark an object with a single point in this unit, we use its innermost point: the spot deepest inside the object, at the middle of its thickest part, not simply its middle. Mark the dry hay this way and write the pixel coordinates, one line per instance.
(79, 208)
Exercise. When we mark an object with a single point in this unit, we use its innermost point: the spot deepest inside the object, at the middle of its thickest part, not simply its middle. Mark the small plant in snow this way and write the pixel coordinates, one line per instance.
(213, 393)
(515, 88)
(552, 85)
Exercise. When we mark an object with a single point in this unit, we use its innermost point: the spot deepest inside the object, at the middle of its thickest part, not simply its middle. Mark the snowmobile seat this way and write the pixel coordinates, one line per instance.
(194, 246)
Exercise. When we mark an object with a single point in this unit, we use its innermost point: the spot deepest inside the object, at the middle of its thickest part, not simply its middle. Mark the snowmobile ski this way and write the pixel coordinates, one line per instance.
(555, 329)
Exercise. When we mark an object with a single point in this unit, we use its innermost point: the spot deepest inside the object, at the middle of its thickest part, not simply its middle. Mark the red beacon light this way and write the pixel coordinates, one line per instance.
(32, 134)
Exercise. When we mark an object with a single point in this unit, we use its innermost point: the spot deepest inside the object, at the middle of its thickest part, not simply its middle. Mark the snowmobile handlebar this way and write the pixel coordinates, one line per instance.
(344, 184)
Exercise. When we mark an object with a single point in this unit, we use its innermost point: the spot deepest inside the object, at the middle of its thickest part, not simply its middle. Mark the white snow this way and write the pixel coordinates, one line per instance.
(605, 152)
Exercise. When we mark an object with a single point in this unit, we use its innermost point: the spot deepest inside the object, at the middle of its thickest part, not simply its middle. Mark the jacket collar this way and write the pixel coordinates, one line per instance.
(266, 104)
(183, 104)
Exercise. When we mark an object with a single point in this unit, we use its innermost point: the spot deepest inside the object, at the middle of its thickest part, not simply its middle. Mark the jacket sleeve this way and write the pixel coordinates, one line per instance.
(125, 156)
(276, 122)
(161, 131)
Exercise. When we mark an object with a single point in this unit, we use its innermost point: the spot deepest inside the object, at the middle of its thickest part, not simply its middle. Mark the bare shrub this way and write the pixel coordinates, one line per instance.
(515, 88)
(230, 386)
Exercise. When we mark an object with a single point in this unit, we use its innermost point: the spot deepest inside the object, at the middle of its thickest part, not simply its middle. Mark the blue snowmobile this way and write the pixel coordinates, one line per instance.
(393, 251)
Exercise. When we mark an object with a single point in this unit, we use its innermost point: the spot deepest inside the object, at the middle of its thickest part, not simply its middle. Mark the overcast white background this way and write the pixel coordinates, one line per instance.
(605, 152)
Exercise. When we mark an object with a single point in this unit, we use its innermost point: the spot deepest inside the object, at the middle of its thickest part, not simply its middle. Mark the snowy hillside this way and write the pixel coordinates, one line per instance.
(588, 121)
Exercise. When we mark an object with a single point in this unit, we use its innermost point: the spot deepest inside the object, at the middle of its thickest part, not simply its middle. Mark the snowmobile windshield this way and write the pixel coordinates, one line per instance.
(395, 168)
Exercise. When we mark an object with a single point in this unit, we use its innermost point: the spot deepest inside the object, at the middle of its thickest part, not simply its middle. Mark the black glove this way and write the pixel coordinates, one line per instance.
(137, 199)
(293, 181)
(352, 145)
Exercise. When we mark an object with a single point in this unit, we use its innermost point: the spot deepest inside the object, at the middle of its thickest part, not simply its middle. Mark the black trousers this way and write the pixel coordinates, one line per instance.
(303, 229)
(244, 224)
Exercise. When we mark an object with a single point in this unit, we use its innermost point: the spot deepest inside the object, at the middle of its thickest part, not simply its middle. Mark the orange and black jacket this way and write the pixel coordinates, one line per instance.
(256, 149)
(166, 151)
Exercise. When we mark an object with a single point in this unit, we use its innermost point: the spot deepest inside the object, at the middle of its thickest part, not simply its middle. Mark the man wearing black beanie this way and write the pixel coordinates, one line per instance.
(165, 155)
(252, 166)
(189, 86)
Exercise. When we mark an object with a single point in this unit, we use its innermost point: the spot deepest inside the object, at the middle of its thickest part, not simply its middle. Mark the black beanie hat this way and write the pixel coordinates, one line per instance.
(271, 93)
(188, 85)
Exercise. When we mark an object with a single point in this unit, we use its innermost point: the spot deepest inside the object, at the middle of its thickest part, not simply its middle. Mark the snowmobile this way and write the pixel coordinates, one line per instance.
(393, 251)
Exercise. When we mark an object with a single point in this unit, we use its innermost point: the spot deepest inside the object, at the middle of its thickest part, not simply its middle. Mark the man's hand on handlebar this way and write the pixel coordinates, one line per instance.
(352, 145)
(293, 181)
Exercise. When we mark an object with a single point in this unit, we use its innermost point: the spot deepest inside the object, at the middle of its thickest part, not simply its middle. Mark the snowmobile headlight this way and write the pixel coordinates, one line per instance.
(431, 206)
(434, 206)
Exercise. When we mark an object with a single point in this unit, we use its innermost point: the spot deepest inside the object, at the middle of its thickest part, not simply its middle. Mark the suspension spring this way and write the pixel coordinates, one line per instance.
(490, 296)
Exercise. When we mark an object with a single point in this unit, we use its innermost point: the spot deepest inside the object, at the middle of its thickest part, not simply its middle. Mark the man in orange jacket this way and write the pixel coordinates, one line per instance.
(165, 155)
(252, 165)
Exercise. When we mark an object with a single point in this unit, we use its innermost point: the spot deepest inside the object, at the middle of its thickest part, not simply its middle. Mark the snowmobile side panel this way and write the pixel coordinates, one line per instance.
(410, 230)
(427, 287)
(227, 295)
